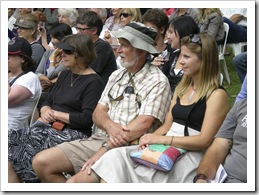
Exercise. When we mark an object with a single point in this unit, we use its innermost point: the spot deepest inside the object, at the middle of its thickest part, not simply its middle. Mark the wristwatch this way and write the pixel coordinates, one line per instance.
(105, 144)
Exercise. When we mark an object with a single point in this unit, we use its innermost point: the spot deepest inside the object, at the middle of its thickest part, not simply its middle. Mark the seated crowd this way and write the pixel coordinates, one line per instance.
(105, 83)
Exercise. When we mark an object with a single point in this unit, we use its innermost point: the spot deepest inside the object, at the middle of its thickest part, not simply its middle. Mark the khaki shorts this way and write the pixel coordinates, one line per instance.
(79, 151)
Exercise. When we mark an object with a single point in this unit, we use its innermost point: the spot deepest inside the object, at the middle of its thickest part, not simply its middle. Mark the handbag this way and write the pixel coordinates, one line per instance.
(59, 126)
(158, 156)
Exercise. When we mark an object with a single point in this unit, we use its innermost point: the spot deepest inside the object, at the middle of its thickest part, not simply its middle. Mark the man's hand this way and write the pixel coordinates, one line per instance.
(118, 134)
(93, 159)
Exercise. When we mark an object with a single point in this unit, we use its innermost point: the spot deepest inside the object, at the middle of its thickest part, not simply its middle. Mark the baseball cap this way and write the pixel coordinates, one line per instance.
(19, 45)
(27, 21)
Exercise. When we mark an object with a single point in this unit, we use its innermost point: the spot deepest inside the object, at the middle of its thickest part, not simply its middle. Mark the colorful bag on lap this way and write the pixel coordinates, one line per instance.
(158, 156)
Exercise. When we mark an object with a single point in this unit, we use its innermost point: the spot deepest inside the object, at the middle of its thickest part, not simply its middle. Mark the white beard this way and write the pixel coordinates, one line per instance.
(126, 64)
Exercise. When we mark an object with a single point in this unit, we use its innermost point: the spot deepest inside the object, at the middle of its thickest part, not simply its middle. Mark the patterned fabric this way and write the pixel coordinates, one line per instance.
(24, 144)
(110, 25)
(158, 156)
(151, 88)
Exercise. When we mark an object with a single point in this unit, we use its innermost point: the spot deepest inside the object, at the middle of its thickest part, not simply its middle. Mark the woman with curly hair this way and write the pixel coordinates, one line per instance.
(210, 21)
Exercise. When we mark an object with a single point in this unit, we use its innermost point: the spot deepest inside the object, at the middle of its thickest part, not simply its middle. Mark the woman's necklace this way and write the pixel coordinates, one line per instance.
(74, 79)
(192, 93)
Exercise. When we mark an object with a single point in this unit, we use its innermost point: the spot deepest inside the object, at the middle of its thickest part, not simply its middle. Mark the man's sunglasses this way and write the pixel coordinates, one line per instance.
(125, 15)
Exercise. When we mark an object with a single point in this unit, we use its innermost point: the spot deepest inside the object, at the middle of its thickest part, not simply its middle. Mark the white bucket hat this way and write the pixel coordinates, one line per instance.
(139, 35)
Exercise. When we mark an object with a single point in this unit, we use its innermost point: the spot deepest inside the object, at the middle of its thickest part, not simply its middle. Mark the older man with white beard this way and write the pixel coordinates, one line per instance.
(135, 101)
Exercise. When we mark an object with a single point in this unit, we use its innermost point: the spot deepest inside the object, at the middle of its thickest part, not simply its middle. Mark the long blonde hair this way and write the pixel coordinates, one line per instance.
(206, 49)
(135, 12)
(205, 12)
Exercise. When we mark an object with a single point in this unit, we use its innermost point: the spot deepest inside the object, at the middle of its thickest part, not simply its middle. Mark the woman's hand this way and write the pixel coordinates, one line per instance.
(146, 140)
(108, 37)
(158, 61)
(56, 57)
(46, 85)
(47, 115)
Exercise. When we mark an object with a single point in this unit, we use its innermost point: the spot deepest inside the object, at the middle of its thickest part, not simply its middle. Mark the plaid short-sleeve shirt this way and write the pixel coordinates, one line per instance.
(151, 88)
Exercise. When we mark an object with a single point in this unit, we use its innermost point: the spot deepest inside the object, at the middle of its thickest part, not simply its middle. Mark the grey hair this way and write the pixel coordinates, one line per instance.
(72, 14)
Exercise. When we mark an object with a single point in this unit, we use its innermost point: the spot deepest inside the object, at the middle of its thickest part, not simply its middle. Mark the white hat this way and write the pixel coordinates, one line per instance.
(139, 36)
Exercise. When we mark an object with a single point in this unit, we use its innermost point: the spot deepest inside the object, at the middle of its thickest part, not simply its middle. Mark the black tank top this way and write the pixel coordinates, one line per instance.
(194, 113)
(197, 110)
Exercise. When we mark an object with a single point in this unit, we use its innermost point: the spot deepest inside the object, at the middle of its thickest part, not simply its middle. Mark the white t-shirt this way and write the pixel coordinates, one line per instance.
(18, 116)
(228, 12)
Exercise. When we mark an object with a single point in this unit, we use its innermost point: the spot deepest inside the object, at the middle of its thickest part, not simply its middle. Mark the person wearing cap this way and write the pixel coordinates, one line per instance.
(27, 28)
(24, 84)
(66, 114)
(198, 108)
(134, 102)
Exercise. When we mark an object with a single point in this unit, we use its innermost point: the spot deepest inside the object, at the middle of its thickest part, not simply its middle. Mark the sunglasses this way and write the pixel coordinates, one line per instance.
(127, 90)
(82, 29)
(68, 52)
(125, 15)
(192, 39)
(195, 39)
(21, 28)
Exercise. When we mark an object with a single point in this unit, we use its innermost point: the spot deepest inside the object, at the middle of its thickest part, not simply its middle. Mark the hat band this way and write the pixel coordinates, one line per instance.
(14, 53)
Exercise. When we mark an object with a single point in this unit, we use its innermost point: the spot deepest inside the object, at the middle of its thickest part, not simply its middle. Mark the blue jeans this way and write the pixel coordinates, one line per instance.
(236, 33)
(240, 63)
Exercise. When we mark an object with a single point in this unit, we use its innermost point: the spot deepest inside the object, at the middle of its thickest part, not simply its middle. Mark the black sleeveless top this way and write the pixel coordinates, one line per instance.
(197, 110)
(193, 113)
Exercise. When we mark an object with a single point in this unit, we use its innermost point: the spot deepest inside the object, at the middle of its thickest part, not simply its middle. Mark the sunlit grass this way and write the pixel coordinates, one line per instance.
(235, 85)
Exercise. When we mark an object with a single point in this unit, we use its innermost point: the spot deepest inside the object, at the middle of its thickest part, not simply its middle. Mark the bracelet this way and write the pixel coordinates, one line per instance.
(172, 140)
(54, 61)
(201, 176)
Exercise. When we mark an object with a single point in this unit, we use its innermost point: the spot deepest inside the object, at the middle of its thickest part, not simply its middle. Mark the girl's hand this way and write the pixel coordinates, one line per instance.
(158, 61)
(146, 140)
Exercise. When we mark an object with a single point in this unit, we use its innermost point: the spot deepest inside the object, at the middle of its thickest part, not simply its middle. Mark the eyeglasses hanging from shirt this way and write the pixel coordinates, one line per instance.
(128, 90)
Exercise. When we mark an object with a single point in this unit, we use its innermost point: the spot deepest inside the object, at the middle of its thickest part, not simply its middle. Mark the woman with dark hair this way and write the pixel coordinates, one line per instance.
(178, 28)
(24, 86)
(52, 63)
(66, 115)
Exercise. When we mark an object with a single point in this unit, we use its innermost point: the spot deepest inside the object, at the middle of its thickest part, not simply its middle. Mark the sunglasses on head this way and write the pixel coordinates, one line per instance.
(68, 52)
(125, 15)
(195, 39)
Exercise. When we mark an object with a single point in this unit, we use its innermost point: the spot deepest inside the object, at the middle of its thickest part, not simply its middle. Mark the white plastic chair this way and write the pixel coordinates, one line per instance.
(32, 117)
(221, 78)
(237, 47)
(221, 52)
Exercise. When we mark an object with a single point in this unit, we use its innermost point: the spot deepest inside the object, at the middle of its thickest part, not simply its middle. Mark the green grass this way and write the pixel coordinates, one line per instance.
(235, 84)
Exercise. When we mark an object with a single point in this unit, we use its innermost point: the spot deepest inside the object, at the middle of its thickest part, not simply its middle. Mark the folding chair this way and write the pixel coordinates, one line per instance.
(221, 52)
